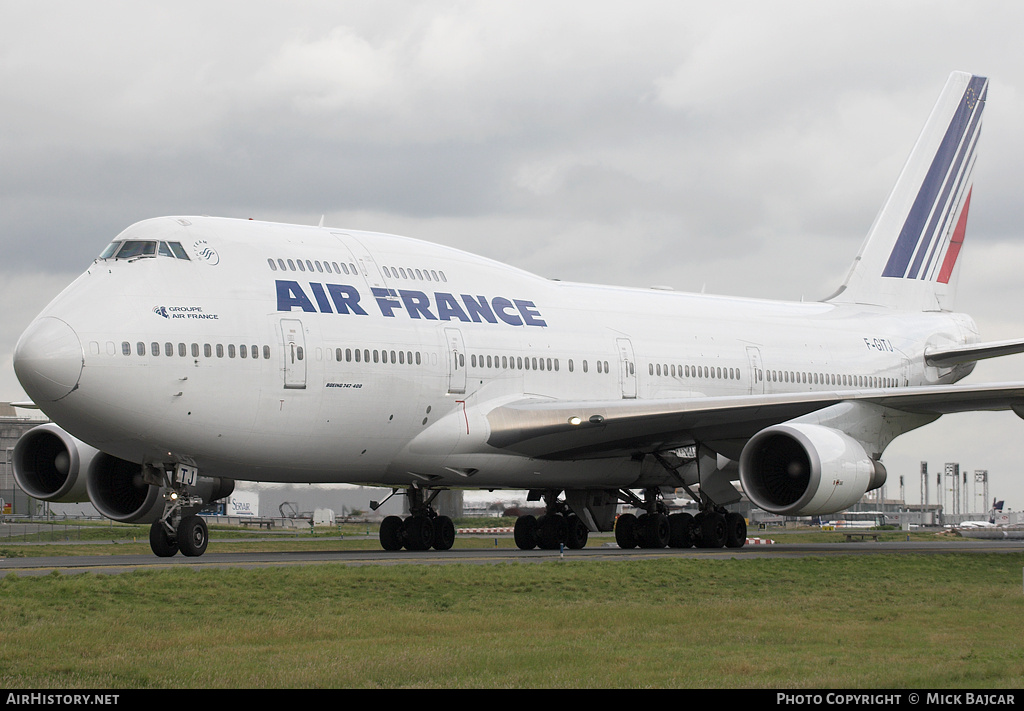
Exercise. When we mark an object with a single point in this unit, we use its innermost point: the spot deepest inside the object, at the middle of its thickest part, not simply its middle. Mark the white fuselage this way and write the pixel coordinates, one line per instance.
(368, 363)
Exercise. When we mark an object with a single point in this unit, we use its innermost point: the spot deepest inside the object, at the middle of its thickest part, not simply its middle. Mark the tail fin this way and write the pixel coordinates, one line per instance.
(909, 258)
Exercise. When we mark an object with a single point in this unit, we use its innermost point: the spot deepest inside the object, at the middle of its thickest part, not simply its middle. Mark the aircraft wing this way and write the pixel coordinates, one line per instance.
(551, 429)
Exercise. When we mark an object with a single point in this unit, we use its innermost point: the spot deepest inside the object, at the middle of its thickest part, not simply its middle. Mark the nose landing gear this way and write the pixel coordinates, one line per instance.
(178, 529)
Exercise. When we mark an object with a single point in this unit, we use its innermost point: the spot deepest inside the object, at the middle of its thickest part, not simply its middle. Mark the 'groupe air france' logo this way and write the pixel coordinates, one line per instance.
(205, 252)
(186, 312)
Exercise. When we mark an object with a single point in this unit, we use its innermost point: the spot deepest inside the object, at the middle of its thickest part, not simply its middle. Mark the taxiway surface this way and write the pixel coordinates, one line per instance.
(113, 564)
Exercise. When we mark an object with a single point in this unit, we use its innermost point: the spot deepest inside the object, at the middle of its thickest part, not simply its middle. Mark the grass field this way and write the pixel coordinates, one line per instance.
(871, 621)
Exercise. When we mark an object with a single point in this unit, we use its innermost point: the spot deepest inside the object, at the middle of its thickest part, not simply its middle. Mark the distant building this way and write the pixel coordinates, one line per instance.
(12, 427)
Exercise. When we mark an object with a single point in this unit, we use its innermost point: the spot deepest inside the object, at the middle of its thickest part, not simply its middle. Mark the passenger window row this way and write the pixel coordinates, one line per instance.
(348, 268)
(856, 381)
(506, 362)
(694, 371)
(310, 265)
(208, 350)
(410, 273)
(365, 355)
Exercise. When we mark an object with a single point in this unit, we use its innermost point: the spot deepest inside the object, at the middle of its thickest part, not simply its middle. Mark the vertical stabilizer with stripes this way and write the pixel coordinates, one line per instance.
(909, 259)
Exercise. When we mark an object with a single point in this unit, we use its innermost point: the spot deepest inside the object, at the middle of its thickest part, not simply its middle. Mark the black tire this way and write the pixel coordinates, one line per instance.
(654, 531)
(625, 531)
(525, 532)
(681, 525)
(444, 533)
(419, 533)
(712, 530)
(550, 531)
(735, 530)
(161, 542)
(392, 534)
(576, 532)
(193, 536)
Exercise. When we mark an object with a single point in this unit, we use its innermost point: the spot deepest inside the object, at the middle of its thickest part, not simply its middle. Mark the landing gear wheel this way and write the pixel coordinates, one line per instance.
(653, 531)
(193, 536)
(419, 533)
(444, 533)
(550, 531)
(625, 531)
(681, 526)
(576, 532)
(735, 530)
(525, 532)
(712, 530)
(161, 542)
(391, 538)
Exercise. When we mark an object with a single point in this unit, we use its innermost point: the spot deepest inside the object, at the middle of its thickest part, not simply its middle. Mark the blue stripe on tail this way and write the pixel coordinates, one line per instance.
(957, 145)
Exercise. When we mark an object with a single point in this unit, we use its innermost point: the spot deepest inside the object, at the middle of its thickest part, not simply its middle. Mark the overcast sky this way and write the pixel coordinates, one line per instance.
(743, 148)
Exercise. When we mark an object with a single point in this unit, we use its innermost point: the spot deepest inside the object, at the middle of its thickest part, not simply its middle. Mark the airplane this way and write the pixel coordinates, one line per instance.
(195, 352)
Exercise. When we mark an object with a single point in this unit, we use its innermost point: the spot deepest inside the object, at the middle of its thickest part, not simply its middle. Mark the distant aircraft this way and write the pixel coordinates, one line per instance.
(196, 351)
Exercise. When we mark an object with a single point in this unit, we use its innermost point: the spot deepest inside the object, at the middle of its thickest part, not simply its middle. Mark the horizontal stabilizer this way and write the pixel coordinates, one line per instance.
(955, 355)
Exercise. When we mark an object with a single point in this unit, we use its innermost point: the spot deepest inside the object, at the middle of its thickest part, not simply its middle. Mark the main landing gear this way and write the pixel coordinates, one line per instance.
(713, 527)
(422, 530)
(558, 526)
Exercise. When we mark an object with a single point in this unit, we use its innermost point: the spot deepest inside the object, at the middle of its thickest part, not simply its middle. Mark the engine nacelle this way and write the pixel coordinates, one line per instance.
(50, 464)
(798, 469)
(120, 492)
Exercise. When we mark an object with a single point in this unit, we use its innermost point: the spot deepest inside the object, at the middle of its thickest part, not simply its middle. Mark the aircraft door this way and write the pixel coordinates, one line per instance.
(756, 374)
(456, 361)
(627, 368)
(367, 265)
(294, 354)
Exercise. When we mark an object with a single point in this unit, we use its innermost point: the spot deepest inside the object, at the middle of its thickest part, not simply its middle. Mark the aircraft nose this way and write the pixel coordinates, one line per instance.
(48, 359)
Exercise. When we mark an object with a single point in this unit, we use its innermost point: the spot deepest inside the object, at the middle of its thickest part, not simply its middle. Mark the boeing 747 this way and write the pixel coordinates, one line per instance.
(195, 352)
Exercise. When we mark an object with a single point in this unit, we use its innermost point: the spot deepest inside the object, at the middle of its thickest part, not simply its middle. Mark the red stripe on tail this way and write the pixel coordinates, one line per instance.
(956, 243)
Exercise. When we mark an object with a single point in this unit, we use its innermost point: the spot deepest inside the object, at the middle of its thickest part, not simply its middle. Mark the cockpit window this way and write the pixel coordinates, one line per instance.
(178, 250)
(135, 248)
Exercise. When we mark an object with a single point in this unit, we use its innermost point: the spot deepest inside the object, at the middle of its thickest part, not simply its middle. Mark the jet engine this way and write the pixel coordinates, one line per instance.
(51, 465)
(799, 469)
(120, 492)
